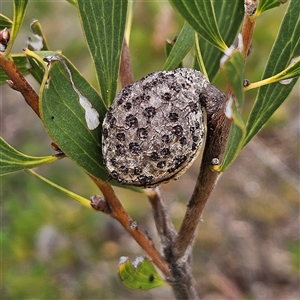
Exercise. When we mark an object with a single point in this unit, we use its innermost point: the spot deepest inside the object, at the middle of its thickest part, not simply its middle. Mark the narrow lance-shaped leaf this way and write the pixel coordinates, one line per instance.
(264, 5)
(200, 15)
(103, 23)
(71, 111)
(181, 47)
(35, 69)
(139, 275)
(37, 30)
(285, 48)
(66, 192)
(5, 22)
(229, 16)
(284, 77)
(11, 160)
(19, 12)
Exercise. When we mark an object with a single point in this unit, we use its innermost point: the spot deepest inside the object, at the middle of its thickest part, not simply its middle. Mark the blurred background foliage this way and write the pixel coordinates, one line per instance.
(246, 248)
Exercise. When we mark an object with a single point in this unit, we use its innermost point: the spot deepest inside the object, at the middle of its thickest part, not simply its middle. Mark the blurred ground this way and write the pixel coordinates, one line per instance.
(246, 248)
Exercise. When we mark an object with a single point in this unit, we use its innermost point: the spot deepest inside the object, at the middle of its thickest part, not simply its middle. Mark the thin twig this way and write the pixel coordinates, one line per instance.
(162, 219)
(119, 213)
(19, 83)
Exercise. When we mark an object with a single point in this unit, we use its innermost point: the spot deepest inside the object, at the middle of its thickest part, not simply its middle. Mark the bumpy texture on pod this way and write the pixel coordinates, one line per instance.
(155, 128)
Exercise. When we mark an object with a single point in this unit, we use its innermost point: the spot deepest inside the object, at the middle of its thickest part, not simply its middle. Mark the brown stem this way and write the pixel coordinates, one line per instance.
(118, 213)
(218, 126)
(247, 32)
(183, 281)
(19, 83)
(126, 74)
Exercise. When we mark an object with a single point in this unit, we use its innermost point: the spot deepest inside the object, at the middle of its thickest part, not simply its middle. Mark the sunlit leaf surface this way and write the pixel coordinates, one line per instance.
(139, 275)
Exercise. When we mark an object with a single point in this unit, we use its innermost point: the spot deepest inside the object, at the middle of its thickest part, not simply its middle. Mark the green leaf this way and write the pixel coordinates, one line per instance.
(21, 63)
(229, 15)
(103, 23)
(81, 200)
(201, 16)
(73, 2)
(264, 5)
(72, 112)
(11, 160)
(284, 77)
(285, 48)
(19, 12)
(35, 69)
(5, 22)
(139, 275)
(37, 30)
(235, 139)
(181, 47)
(233, 71)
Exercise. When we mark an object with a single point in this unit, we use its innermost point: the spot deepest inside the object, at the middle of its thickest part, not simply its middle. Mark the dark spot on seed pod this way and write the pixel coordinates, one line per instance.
(202, 98)
(145, 180)
(108, 115)
(115, 175)
(126, 91)
(114, 161)
(137, 100)
(105, 133)
(154, 82)
(195, 138)
(179, 160)
(177, 130)
(137, 171)
(183, 141)
(124, 170)
(166, 96)
(197, 125)
(161, 164)
(142, 133)
(165, 152)
(120, 149)
(173, 117)
(149, 112)
(193, 106)
(165, 138)
(120, 136)
(194, 146)
(120, 101)
(112, 122)
(147, 86)
(135, 148)
(131, 121)
(127, 105)
(175, 87)
(154, 156)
